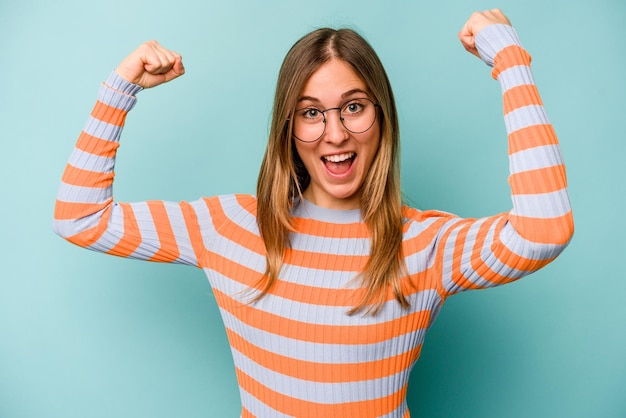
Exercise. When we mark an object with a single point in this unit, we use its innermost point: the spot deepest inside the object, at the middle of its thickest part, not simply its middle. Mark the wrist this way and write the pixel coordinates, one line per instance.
(493, 39)
(117, 82)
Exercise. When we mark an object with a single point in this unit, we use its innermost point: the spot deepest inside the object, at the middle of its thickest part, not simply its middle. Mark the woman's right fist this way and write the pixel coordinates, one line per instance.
(151, 65)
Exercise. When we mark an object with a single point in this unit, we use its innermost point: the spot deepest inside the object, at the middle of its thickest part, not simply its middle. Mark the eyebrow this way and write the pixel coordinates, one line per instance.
(343, 96)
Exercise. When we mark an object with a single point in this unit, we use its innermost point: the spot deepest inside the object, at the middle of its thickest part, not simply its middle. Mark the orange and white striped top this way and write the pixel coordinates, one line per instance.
(296, 351)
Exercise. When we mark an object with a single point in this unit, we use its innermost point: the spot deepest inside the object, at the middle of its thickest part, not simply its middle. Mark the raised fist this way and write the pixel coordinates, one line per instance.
(150, 65)
(477, 22)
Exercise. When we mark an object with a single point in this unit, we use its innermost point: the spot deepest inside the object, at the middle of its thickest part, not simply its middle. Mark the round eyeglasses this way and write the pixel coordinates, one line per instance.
(356, 115)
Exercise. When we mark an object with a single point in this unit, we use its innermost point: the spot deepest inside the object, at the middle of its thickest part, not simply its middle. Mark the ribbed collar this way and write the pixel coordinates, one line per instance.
(307, 210)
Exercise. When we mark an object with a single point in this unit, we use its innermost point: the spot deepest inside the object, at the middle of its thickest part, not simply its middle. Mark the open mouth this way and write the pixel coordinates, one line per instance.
(339, 164)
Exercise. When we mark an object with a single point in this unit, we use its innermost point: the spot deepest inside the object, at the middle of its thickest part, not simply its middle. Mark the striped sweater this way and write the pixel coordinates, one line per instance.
(296, 351)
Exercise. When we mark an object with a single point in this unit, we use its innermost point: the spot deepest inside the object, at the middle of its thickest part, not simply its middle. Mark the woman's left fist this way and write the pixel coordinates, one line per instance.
(477, 22)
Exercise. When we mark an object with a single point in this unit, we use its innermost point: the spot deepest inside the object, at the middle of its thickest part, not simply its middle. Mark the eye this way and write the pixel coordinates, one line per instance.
(353, 107)
(310, 113)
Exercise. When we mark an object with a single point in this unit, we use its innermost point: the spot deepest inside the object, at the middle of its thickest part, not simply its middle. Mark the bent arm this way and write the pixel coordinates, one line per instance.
(85, 212)
(491, 251)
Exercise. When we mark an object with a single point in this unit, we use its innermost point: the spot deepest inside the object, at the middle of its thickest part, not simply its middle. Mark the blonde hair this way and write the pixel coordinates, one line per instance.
(283, 178)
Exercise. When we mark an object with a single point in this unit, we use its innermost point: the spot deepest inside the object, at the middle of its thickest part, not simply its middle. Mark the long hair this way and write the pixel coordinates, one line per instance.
(283, 177)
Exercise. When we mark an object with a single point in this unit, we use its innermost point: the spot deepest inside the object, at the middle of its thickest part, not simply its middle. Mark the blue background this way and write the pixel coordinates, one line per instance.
(85, 335)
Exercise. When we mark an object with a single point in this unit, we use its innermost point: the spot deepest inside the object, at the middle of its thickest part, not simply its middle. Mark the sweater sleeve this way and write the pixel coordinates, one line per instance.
(480, 253)
(85, 212)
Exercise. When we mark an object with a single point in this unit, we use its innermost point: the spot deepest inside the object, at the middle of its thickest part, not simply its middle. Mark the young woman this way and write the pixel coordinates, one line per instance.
(326, 283)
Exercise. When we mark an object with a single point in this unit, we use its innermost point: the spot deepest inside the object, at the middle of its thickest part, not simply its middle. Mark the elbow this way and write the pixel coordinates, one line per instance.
(64, 228)
(64, 224)
(80, 232)
(564, 230)
(56, 228)
(73, 232)
(76, 225)
(552, 231)
(559, 236)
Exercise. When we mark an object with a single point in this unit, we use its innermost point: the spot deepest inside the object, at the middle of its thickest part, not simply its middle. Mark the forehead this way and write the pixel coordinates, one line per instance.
(334, 80)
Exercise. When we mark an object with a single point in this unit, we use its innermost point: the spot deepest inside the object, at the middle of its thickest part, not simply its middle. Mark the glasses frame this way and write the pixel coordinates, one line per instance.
(341, 119)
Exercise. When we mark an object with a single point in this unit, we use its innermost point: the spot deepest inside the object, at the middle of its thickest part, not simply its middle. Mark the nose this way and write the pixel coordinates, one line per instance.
(334, 131)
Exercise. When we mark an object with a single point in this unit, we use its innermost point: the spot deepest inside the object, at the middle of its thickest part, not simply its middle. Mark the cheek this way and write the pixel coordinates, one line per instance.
(299, 157)
(373, 144)
(303, 152)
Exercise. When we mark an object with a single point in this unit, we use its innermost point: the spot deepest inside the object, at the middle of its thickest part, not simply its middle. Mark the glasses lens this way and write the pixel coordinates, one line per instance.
(357, 116)
(308, 124)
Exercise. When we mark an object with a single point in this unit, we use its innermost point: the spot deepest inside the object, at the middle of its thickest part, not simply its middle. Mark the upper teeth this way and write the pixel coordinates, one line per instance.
(339, 158)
